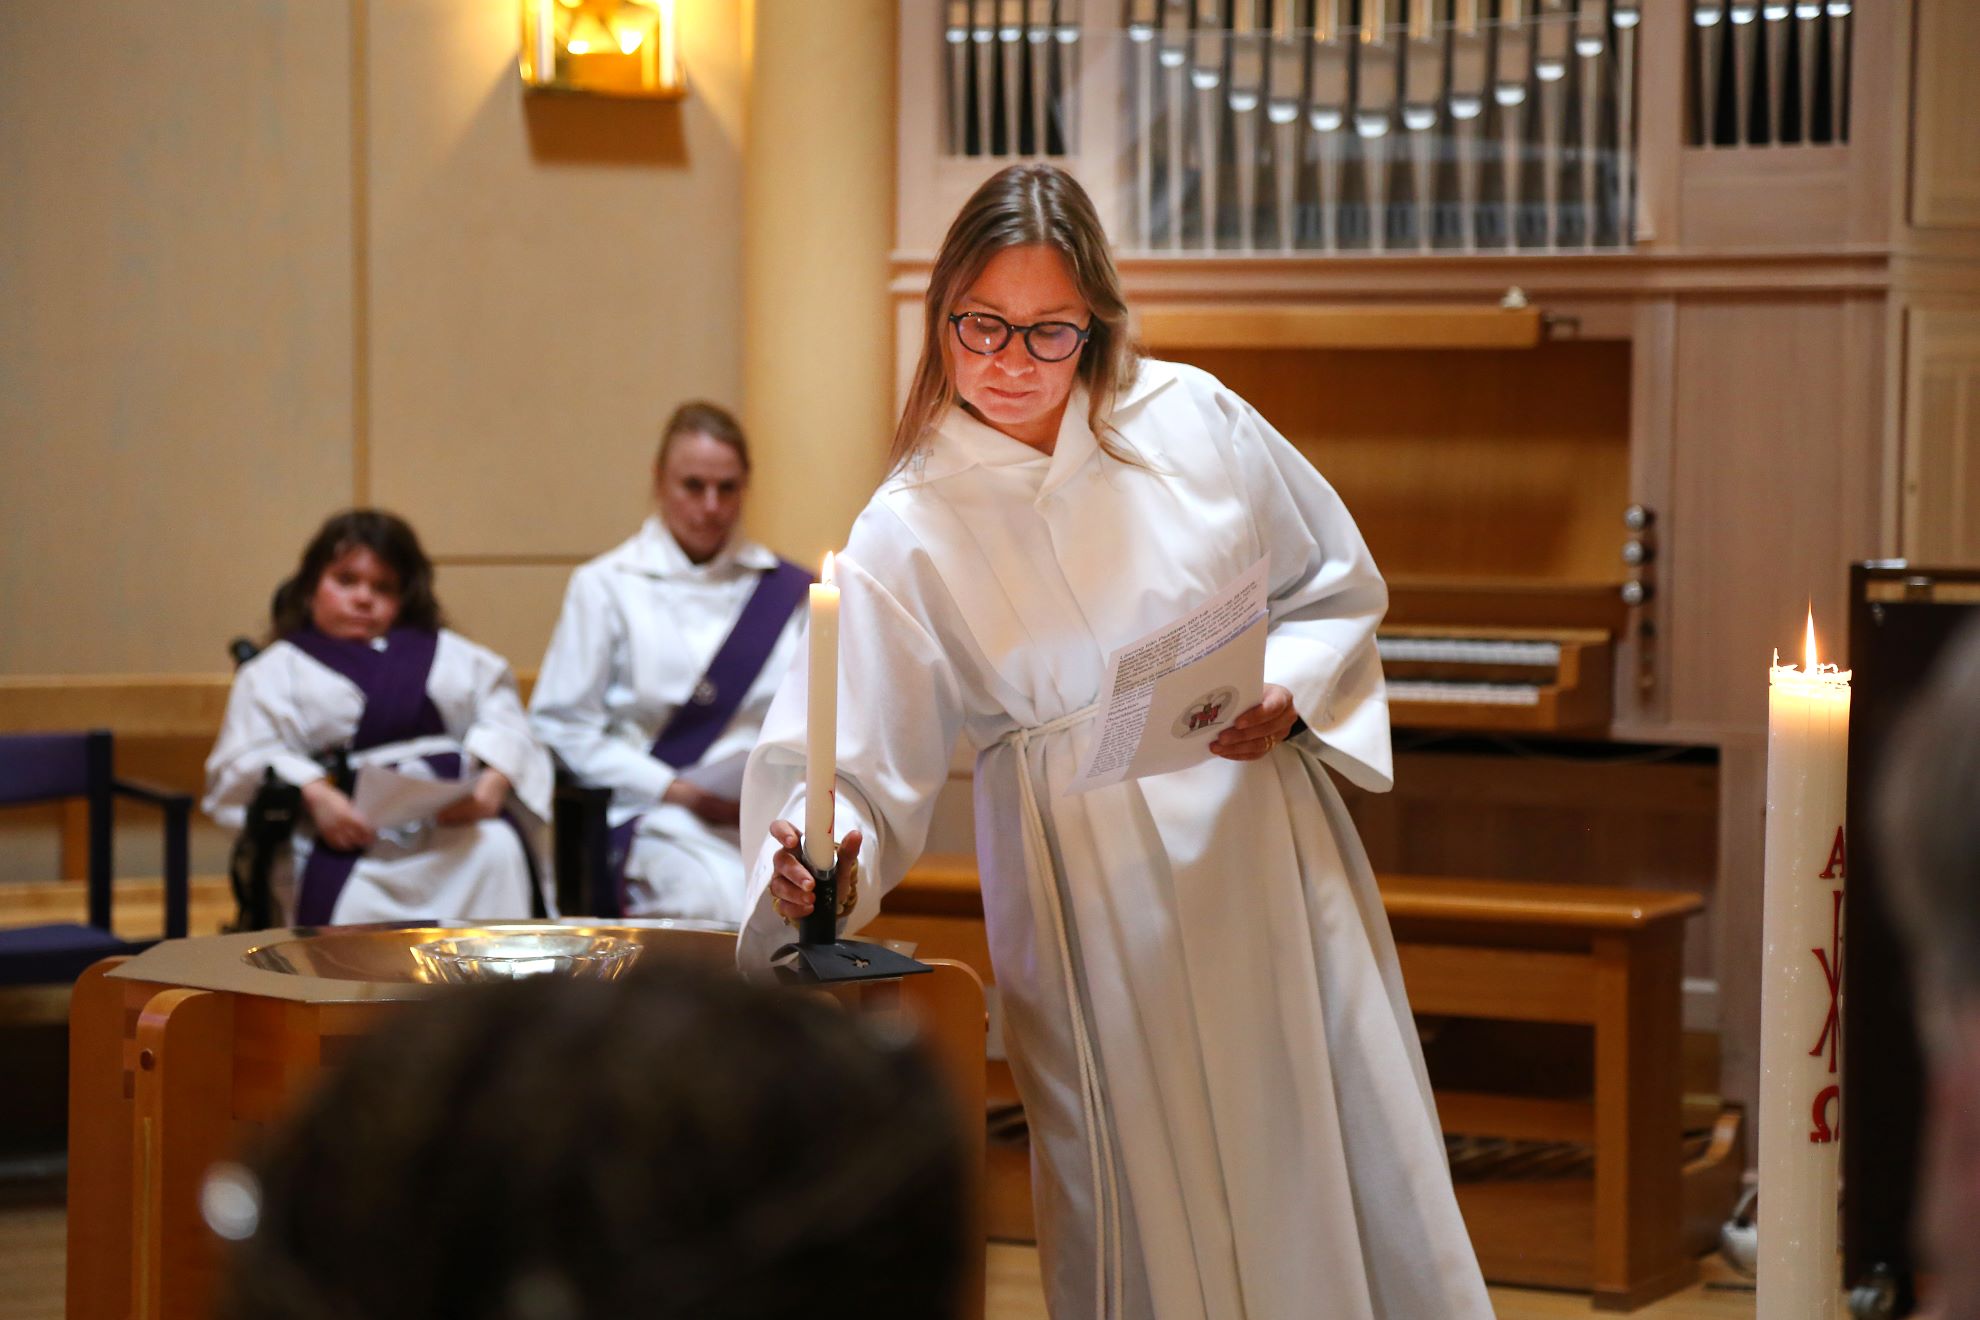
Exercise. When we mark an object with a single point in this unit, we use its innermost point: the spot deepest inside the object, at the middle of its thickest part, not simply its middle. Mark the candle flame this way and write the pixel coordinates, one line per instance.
(1809, 666)
(825, 573)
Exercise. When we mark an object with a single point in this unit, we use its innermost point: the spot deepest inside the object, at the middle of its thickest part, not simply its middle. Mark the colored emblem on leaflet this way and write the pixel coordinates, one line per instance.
(1206, 712)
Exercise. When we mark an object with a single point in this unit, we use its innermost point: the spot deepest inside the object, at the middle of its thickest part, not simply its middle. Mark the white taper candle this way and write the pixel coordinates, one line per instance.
(822, 728)
(1800, 991)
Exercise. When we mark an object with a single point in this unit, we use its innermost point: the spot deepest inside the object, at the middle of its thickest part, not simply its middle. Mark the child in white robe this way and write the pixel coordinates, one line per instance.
(360, 664)
(1228, 1107)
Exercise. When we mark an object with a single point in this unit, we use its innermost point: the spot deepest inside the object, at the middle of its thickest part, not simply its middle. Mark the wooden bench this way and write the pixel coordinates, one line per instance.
(1607, 959)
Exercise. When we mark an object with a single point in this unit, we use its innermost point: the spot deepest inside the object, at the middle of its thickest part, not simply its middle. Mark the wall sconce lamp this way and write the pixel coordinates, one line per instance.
(602, 47)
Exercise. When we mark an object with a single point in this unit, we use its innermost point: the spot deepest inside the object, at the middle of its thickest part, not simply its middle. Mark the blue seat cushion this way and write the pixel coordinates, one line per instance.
(48, 955)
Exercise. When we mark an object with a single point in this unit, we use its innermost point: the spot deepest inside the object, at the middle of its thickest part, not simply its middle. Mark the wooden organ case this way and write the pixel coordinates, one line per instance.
(1622, 328)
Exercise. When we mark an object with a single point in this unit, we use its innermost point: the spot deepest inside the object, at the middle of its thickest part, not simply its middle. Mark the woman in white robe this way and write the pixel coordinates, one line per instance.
(1228, 1106)
(640, 626)
(364, 586)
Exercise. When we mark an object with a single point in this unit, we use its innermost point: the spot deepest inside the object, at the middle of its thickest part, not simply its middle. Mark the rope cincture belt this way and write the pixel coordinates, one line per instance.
(1107, 1265)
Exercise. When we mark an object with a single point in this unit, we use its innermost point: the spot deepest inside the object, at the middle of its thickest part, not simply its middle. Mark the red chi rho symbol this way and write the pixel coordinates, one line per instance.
(1830, 960)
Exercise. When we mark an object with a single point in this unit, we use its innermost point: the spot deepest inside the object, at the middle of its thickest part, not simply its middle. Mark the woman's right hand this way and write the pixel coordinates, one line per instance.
(790, 883)
(337, 821)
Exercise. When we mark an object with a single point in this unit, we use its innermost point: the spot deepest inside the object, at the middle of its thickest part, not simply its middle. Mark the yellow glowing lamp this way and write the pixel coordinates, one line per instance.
(602, 47)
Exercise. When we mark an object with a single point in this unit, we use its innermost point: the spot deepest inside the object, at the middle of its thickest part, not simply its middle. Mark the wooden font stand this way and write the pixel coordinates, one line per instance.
(165, 1080)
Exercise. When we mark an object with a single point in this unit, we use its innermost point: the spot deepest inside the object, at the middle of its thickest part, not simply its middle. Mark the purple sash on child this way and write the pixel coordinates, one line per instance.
(396, 709)
(697, 722)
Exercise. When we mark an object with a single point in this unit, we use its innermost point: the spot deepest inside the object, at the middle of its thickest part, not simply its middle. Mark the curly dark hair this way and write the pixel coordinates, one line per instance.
(386, 535)
(678, 1143)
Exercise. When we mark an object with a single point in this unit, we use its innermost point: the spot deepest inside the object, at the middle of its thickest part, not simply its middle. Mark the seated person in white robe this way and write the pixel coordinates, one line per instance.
(663, 663)
(361, 665)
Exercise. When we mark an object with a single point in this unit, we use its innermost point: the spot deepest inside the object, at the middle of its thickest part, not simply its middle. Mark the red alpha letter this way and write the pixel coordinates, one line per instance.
(1837, 868)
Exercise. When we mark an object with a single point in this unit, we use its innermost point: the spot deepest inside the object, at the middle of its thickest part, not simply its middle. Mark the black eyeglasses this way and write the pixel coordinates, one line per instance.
(1048, 341)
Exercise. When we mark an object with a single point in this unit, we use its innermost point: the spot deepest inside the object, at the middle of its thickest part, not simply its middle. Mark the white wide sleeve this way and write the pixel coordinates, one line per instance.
(1327, 598)
(900, 711)
(567, 709)
(499, 734)
(260, 732)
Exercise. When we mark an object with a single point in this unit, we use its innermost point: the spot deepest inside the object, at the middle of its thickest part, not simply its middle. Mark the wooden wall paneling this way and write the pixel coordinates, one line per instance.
(1798, 198)
(1643, 646)
(1871, 460)
(1942, 436)
(1894, 520)
(1515, 465)
(1879, 134)
(1779, 198)
(1771, 494)
(1660, 118)
(1735, 915)
(1945, 156)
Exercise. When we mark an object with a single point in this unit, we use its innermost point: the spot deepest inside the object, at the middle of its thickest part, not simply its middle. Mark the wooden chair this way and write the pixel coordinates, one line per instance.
(51, 767)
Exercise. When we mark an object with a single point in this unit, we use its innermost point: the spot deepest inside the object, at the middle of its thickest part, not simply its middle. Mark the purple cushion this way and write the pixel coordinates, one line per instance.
(35, 767)
(49, 955)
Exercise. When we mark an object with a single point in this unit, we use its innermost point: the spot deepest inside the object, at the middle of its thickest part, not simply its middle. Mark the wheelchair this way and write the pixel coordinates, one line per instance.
(586, 878)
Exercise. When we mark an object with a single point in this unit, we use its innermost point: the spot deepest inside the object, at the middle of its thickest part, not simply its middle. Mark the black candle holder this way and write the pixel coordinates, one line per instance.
(820, 957)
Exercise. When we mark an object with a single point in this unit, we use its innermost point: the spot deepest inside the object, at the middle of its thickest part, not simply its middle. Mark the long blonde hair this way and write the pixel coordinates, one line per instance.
(1024, 205)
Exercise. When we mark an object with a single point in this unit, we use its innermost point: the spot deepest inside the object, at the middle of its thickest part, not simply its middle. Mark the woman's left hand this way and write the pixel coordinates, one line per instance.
(491, 790)
(1259, 729)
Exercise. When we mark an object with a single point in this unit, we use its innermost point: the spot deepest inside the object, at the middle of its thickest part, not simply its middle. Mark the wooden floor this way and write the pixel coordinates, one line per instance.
(1015, 1295)
(31, 1281)
(31, 1262)
(31, 1234)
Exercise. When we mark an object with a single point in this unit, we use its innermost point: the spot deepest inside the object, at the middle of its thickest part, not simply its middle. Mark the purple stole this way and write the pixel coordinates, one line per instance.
(697, 722)
(396, 709)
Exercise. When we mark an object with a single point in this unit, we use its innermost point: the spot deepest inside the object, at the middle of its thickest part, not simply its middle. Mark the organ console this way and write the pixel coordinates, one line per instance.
(1512, 680)
(1748, 254)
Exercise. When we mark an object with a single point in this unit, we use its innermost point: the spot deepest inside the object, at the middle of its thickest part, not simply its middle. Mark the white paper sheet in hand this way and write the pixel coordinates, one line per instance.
(387, 799)
(1168, 694)
(723, 778)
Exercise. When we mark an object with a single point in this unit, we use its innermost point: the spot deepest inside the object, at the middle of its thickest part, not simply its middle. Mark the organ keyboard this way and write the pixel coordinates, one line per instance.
(1525, 680)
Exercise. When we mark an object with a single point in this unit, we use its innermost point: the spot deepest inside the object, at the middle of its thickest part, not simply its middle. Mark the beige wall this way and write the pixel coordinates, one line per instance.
(819, 213)
(262, 260)
(175, 322)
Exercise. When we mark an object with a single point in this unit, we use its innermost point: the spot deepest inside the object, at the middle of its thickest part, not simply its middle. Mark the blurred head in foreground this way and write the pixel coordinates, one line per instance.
(1928, 830)
(673, 1144)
